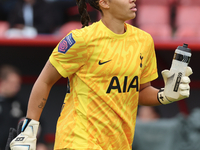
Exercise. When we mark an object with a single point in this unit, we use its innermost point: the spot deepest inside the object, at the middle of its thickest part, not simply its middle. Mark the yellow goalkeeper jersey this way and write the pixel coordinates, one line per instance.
(105, 71)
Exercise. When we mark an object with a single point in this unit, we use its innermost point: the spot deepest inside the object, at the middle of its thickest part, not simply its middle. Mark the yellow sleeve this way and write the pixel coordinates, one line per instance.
(69, 55)
(149, 72)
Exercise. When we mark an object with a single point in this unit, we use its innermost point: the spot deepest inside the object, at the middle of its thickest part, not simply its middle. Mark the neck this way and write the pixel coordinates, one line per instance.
(117, 26)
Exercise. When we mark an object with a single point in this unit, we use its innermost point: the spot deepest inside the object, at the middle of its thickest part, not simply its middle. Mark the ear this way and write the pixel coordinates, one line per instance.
(104, 4)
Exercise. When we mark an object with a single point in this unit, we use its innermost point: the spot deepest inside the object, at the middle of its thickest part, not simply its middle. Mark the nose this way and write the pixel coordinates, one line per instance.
(133, 1)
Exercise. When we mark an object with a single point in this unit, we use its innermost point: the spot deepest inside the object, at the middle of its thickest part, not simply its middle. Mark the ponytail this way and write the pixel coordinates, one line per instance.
(82, 8)
(95, 4)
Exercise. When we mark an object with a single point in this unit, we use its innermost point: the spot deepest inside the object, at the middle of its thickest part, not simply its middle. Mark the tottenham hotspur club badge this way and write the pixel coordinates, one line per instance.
(141, 57)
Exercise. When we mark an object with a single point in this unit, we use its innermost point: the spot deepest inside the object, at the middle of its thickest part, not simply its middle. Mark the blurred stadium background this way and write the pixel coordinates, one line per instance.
(170, 22)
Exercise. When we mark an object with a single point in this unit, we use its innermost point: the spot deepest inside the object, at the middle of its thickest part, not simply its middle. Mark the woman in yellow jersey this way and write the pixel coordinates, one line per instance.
(110, 65)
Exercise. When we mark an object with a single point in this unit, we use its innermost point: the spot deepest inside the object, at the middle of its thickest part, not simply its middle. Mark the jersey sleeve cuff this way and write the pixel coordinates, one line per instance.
(58, 67)
(151, 78)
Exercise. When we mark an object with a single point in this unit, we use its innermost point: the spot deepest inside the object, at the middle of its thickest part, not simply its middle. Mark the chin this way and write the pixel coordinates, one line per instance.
(131, 17)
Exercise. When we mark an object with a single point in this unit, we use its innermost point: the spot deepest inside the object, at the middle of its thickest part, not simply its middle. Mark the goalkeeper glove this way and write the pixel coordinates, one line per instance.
(184, 88)
(26, 140)
(12, 134)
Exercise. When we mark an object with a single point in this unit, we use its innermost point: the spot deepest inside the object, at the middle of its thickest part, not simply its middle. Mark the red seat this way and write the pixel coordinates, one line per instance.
(187, 19)
(154, 17)
(67, 27)
(4, 26)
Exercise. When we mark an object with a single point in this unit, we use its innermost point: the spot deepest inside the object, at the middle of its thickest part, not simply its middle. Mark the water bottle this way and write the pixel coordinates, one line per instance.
(180, 62)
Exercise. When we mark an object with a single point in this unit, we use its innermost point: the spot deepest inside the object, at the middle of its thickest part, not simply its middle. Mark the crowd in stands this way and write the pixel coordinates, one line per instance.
(162, 19)
(28, 18)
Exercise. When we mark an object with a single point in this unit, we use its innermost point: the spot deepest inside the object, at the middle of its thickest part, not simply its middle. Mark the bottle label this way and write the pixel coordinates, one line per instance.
(182, 58)
(178, 80)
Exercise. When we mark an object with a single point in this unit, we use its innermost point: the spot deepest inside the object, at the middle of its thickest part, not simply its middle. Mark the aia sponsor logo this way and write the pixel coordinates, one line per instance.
(124, 87)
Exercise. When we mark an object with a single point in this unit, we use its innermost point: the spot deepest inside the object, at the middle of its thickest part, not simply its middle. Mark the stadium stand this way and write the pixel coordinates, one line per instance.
(154, 17)
(187, 18)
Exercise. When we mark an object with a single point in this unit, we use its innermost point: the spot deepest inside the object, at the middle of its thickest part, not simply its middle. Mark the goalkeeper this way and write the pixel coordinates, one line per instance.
(110, 65)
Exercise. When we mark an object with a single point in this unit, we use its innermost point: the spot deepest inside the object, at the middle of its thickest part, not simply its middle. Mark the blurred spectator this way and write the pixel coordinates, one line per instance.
(5, 7)
(32, 17)
(187, 18)
(147, 113)
(10, 104)
(154, 17)
(41, 146)
(177, 133)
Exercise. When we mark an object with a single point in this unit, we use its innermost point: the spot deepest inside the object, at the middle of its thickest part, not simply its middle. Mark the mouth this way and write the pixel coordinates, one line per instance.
(134, 8)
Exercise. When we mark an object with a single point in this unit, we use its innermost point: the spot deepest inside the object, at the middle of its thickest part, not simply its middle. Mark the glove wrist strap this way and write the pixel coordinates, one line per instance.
(30, 127)
(162, 98)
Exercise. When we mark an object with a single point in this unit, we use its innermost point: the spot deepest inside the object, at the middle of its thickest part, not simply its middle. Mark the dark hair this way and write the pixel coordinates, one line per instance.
(6, 70)
(82, 8)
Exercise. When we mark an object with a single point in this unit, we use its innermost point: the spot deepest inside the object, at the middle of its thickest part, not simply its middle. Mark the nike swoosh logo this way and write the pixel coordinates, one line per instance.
(101, 63)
